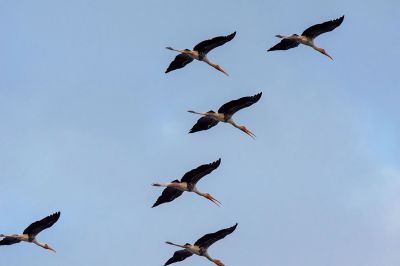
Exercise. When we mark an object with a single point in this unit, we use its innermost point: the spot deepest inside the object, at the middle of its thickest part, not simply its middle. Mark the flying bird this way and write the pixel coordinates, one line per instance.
(199, 52)
(224, 114)
(188, 183)
(30, 233)
(308, 36)
(200, 247)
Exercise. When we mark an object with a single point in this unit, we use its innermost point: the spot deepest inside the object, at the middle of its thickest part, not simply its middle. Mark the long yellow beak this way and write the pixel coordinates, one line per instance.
(248, 132)
(220, 69)
(214, 200)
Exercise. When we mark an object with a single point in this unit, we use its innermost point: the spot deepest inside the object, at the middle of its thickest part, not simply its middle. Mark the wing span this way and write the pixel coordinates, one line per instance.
(284, 44)
(232, 107)
(209, 239)
(193, 176)
(204, 123)
(180, 61)
(179, 255)
(168, 195)
(314, 31)
(38, 226)
(207, 45)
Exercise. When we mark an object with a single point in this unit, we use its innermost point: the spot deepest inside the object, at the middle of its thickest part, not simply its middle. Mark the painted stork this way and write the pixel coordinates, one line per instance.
(188, 183)
(224, 114)
(199, 52)
(30, 233)
(308, 36)
(200, 247)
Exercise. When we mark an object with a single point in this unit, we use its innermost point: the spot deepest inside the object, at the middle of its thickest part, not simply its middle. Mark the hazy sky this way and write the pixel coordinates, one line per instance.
(88, 120)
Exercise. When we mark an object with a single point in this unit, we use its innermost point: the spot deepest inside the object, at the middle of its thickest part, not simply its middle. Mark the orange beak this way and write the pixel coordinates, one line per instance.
(211, 198)
(325, 53)
(248, 132)
(50, 248)
(328, 55)
(219, 263)
(220, 69)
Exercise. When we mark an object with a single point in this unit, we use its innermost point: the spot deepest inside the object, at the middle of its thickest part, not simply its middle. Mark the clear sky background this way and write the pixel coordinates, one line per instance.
(88, 120)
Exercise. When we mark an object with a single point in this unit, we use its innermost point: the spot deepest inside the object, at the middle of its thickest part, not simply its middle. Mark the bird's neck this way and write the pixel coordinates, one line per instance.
(209, 257)
(39, 243)
(230, 121)
(205, 59)
(195, 190)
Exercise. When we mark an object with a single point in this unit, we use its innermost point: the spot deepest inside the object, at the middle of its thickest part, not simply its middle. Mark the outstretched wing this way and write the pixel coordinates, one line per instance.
(232, 107)
(9, 241)
(210, 239)
(193, 176)
(284, 44)
(318, 29)
(204, 123)
(179, 255)
(180, 61)
(38, 226)
(208, 45)
(168, 195)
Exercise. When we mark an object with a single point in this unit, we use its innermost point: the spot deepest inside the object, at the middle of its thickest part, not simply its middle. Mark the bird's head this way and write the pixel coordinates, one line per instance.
(217, 67)
(211, 198)
(46, 246)
(248, 132)
(322, 51)
(187, 245)
(218, 262)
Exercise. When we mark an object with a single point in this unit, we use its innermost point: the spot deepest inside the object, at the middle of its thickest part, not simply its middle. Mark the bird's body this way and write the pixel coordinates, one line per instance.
(199, 53)
(224, 114)
(188, 183)
(308, 37)
(30, 233)
(200, 247)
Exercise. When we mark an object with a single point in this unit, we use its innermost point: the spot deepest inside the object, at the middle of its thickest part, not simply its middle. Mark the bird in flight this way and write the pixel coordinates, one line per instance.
(30, 233)
(188, 183)
(224, 114)
(199, 52)
(307, 37)
(200, 247)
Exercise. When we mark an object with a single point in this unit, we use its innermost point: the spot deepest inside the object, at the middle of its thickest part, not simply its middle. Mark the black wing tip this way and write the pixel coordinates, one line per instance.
(233, 227)
(257, 97)
(56, 214)
(232, 35)
(156, 204)
(339, 20)
(217, 163)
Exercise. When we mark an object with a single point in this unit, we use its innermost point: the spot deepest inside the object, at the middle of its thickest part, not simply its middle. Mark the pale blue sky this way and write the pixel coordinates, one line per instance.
(89, 120)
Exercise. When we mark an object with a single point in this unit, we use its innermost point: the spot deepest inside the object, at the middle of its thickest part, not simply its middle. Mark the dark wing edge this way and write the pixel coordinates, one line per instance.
(193, 176)
(204, 123)
(207, 45)
(209, 239)
(317, 29)
(284, 44)
(179, 255)
(168, 195)
(38, 226)
(232, 107)
(9, 241)
(180, 61)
